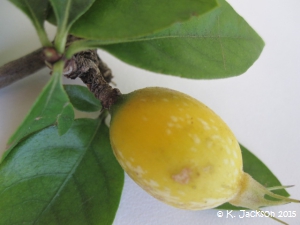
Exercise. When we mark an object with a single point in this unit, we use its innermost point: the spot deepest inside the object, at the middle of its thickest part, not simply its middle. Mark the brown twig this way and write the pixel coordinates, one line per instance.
(21, 68)
(86, 65)
(29, 64)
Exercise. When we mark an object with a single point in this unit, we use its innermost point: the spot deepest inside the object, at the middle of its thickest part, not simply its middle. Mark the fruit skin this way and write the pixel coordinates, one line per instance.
(176, 148)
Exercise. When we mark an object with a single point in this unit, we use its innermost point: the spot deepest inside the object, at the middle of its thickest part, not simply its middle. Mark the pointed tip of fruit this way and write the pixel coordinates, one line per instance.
(252, 196)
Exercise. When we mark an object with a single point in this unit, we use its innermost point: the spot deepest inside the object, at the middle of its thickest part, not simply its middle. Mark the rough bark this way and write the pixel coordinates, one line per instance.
(88, 66)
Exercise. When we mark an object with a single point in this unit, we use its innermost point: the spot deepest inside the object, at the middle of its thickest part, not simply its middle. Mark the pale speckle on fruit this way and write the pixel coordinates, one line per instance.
(152, 183)
(226, 161)
(120, 154)
(204, 123)
(211, 201)
(193, 149)
(228, 150)
(215, 128)
(236, 171)
(195, 138)
(209, 143)
(181, 192)
(174, 118)
(232, 162)
(168, 131)
(137, 170)
(170, 125)
(215, 137)
(128, 164)
(229, 141)
(183, 177)
(235, 155)
(165, 195)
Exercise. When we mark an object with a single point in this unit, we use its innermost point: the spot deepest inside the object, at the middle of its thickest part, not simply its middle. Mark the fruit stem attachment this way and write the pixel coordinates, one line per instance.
(252, 196)
(95, 74)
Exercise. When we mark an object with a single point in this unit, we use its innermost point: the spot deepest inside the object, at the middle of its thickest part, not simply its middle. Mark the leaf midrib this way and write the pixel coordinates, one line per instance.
(96, 43)
(29, 178)
(69, 174)
(66, 17)
(35, 19)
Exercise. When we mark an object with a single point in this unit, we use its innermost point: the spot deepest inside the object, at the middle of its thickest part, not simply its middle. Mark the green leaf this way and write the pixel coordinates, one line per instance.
(65, 119)
(82, 99)
(72, 179)
(217, 45)
(66, 13)
(44, 112)
(36, 11)
(122, 19)
(260, 172)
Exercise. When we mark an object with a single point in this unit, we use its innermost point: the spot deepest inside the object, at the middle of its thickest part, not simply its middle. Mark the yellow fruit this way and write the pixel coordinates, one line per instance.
(180, 151)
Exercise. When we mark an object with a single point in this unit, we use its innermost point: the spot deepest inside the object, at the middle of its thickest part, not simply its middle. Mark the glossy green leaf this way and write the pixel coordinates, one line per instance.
(217, 45)
(66, 13)
(260, 172)
(72, 179)
(82, 99)
(44, 112)
(65, 119)
(36, 11)
(122, 19)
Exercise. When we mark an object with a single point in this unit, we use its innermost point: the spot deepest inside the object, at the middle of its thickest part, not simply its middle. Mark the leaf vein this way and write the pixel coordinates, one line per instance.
(29, 178)
(221, 45)
(70, 174)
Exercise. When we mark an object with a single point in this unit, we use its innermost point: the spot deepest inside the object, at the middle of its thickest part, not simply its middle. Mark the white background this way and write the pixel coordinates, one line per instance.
(262, 106)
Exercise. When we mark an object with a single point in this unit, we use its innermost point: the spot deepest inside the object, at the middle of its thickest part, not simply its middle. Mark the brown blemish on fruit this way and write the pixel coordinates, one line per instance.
(183, 177)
